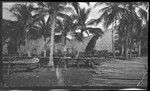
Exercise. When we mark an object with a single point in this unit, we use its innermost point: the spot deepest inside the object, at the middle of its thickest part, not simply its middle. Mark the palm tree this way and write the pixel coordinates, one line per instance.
(98, 32)
(81, 16)
(9, 31)
(120, 42)
(110, 15)
(53, 9)
(141, 29)
(25, 19)
(41, 28)
(124, 12)
(67, 25)
(135, 24)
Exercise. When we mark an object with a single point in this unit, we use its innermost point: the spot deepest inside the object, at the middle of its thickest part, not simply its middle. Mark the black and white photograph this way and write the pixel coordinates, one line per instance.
(74, 45)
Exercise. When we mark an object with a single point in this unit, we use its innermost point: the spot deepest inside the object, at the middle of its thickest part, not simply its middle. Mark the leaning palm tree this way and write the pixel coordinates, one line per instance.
(82, 16)
(82, 23)
(98, 32)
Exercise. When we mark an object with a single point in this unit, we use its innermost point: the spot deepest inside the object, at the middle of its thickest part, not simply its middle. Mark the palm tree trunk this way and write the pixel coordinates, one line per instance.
(45, 48)
(122, 50)
(77, 55)
(127, 47)
(113, 46)
(44, 52)
(63, 37)
(28, 52)
(130, 48)
(59, 77)
(51, 63)
(19, 50)
(127, 55)
(139, 48)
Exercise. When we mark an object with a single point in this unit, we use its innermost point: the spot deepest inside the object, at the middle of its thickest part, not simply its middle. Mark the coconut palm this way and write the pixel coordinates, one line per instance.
(120, 42)
(110, 15)
(8, 32)
(97, 32)
(53, 9)
(41, 28)
(82, 23)
(82, 16)
(136, 25)
(124, 13)
(25, 19)
(68, 25)
(141, 28)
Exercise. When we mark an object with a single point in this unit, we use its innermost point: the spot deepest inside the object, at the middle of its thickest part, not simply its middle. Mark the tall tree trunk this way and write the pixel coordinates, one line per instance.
(139, 48)
(19, 51)
(122, 50)
(130, 48)
(113, 46)
(127, 53)
(59, 77)
(44, 52)
(77, 55)
(51, 63)
(127, 47)
(45, 47)
(91, 45)
(28, 52)
(63, 39)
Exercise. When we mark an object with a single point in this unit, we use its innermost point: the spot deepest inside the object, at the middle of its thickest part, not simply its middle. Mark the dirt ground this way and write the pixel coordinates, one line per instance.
(47, 78)
(109, 73)
(121, 73)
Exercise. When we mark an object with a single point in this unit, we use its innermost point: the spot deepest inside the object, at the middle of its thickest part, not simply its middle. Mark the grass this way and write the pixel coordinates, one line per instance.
(44, 77)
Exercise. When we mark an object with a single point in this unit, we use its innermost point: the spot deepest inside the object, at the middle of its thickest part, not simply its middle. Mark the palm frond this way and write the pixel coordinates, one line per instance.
(91, 22)
(109, 19)
(67, 9)
(98, 4)
(76, 6)
(87, 12)
(65, 16)
(96, 31)
(143, 13)
(105, 9)
(88, 3)
(103, 16)
(78, 36)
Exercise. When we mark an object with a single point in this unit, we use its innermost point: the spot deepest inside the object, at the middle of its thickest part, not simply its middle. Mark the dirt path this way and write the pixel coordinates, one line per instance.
(120, 73)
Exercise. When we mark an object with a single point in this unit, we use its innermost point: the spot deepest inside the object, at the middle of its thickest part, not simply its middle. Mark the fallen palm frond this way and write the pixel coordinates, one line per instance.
(143, 76)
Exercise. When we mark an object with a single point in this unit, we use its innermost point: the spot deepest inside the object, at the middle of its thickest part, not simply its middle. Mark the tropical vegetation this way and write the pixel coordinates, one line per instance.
(130, 25)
